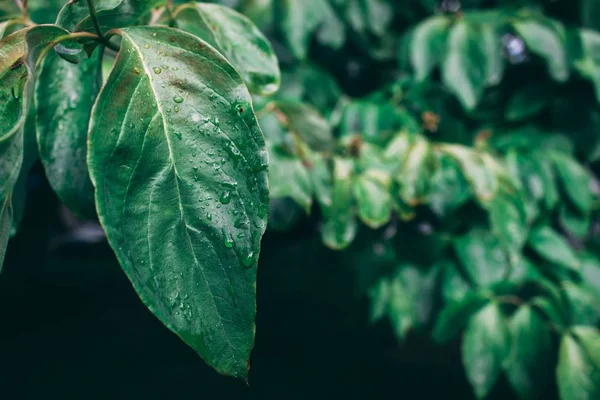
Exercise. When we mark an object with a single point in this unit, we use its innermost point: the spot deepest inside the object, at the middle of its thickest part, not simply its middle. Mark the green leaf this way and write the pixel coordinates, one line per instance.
(373, 199)
(552, 247)
(298, 19)
(590, 270)
(483, 181)
(589, 338)
(237, 38)
(509, 223)
(546, 41)
(176, 155)
(589, 63)
(428, 45)
(464, 67)
(415, 173)
(340, 226)
(6, 216)
(375, 122)
(449, 188)
(454, 286)
(484, 349)
(13, 75)
(578, 378)
(482, 257)
(411, 299)
(491, 43)
(575, 180)
(75, 16)
(306, 122)
(455, 315)
(64, 96)
(527, 102)
(583, 304)
(289, 177)
(527, 366)
(573, 221)
(550, 310)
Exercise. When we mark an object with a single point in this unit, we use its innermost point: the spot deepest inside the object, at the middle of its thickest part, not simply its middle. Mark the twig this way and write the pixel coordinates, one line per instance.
(101, 36)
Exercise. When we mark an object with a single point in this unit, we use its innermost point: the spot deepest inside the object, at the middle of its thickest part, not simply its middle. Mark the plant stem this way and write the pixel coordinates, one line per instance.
(94, 18)
(101, 37)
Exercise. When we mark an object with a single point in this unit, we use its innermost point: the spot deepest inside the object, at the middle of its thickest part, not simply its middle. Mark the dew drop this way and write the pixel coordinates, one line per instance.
(178, 99)
(179, 135)
(176, 108)
(175, 68)
(225, 197)
(249, 260)
(136, 70)
(146, 46)
(209, 216)
(157, 70)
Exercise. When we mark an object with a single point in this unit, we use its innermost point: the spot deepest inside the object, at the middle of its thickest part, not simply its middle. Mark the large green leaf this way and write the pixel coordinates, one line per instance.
(546, 41)
(179, 165)
(578, 378)
(237, 38)
(340, 226)
(13, 75)
(484, 349)
(552, 247)
(464, 67)
(64, 96)
(427, 47)
(527, 367)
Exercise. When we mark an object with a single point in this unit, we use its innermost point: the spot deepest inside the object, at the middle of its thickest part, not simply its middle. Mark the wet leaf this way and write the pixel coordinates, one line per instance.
(175, 151)
(237, 38)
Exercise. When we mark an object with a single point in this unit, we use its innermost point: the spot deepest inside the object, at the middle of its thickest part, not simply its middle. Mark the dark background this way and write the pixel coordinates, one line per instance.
(73, 328)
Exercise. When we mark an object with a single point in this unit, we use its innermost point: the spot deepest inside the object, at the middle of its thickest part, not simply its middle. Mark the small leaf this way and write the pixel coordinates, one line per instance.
(237, 38)
(454, 286)
(482, 180)
(484, 349)
(375, 122)
(64, 96)
(482, 257)
(373, 200)
(583, 304)
(575, 180)
(578, 378)
(298, 19)
(449, 188)
(340, 226)
(289, 177)
(589, 63)
(463, 69)
(491, 42)
(75, 15)
(415, 173)
(181, 188)
(306, 122)
(527, 102)
(589, 337)
(546, 41)
(573, 221)
(527, 367)
(455, 315)
(427, 47)
(552, 247)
